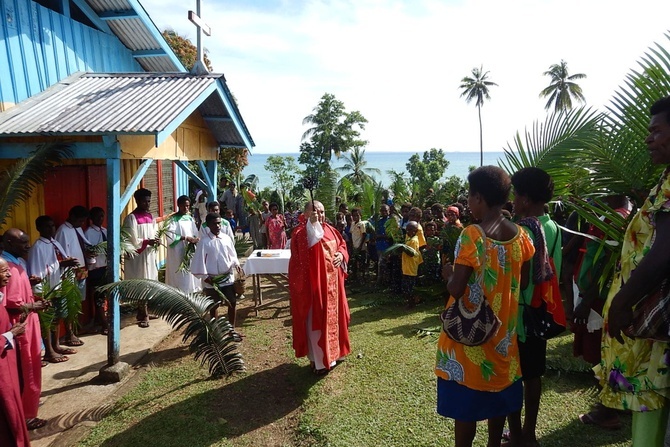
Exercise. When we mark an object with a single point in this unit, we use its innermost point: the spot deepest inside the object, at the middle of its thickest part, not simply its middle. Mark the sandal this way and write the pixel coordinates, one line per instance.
(65, 351)
(44, 363)
(35, 423)
(143, 324)
(73, 342)
(61, 359)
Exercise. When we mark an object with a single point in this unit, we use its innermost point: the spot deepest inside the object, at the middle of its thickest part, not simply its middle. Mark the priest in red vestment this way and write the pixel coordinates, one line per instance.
(13, 430)
(319, 307)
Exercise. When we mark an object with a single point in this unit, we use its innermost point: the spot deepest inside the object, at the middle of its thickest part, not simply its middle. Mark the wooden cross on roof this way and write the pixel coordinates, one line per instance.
(199, 68)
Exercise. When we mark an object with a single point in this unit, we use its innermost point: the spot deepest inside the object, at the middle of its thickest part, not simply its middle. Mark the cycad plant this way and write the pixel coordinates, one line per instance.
(212, 340)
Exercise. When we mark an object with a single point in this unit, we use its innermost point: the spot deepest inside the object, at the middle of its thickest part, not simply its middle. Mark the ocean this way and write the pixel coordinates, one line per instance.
(459, 163)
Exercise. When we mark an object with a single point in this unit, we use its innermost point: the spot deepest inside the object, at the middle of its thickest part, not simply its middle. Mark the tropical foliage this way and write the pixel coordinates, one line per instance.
(284, 172)
(69, 295)
(332, 130)
(355, 167)
(426, 170)
(594, 154)
(562, 89)
(18, 181)
(184, 49)
(212, 340)
(476, 87)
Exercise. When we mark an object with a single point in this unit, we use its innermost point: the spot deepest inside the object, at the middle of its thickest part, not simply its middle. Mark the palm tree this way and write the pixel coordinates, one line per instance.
(355, 165)
(333, 131)
(477, 87)
(562, 89)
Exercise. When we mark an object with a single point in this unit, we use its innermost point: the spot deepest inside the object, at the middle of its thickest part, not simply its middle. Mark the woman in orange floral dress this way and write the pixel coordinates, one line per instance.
(482, 382)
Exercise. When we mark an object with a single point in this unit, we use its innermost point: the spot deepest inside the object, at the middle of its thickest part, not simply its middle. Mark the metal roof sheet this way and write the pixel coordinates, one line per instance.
(139, 33)
(124, 103)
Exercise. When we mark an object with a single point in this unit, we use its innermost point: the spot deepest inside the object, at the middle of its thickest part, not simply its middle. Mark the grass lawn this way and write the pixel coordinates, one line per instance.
(383, 395)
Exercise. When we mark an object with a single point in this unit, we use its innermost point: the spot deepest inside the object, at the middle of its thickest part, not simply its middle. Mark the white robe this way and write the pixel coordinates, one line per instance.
(143, 264)
(68, 239)
(179, 226)
(214, 255)
(43, 263)
(94, 236)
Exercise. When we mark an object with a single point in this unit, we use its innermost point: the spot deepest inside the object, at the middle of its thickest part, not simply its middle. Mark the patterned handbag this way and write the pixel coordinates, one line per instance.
(651, 316)
(472, 327)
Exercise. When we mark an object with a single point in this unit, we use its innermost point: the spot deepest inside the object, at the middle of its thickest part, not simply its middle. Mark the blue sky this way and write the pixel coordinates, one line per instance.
(399, 62)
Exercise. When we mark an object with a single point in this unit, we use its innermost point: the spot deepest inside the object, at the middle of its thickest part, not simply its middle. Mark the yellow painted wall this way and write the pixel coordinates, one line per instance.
(191, 141)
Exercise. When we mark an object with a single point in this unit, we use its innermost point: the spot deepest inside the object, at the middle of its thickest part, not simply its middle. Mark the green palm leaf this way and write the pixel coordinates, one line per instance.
(556, 145)
(213, 341)
(67, 290)
(17, 182)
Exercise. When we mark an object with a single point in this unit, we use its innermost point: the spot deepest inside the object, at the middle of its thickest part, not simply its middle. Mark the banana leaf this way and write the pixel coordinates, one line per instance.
(212, 340)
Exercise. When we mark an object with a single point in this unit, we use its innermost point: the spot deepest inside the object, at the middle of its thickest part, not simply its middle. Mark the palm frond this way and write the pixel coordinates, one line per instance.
(213, 341)
(555, 144)
(127, 248)
(18, 181)
(241, 246)
(185, 264)
(67, 290)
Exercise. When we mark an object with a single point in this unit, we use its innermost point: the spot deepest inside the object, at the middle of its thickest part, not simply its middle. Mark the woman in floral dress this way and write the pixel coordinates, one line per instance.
(482, 382)
(634, 373)
(276, 228)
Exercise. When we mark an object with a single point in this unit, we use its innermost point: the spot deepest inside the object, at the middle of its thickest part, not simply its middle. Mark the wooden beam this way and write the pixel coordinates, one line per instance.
(132, 186)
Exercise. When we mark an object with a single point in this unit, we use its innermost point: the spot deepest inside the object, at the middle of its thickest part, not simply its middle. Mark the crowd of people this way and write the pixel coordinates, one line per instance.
(497, 257)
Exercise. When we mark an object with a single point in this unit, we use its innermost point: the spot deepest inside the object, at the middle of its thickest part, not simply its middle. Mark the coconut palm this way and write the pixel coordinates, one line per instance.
(477, 87)
(562, 89)
(356, 166)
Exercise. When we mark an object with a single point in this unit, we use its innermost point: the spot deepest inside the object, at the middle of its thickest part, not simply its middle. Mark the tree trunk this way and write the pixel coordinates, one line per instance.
(481, 138)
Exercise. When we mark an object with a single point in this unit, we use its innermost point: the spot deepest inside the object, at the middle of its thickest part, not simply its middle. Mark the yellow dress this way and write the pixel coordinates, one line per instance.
(494, 365)
(634, 375)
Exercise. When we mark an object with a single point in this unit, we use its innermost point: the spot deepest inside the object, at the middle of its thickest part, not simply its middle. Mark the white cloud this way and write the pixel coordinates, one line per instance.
(400, 62)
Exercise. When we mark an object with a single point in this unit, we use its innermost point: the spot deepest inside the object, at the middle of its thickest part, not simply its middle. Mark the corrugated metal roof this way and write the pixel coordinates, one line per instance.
(122, 103)
(139, 33)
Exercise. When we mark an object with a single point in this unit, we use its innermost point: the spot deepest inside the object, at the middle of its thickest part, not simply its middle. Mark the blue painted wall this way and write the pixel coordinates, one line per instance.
(39, 47)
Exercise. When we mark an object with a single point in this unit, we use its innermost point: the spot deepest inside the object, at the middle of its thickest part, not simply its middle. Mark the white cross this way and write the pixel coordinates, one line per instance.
(199, 68)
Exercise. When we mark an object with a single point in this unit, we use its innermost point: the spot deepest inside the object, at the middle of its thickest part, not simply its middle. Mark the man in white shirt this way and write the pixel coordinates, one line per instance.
(214, 262)
(215, 207)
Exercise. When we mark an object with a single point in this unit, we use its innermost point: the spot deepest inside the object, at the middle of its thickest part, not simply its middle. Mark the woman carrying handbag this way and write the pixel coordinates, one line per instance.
(481, 382)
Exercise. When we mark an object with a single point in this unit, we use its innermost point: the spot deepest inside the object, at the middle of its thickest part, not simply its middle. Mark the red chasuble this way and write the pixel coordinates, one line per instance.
(315, 283)
(13, 430)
